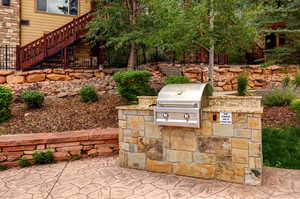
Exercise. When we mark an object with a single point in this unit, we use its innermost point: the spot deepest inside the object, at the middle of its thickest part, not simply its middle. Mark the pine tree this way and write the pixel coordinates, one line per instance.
(282, 18)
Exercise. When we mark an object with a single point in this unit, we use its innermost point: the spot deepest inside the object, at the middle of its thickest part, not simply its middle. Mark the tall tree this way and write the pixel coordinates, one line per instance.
(116, 22)
(281, 19)
(175, 25)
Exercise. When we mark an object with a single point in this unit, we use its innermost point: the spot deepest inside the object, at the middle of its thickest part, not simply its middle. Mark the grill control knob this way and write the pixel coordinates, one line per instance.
(165, 115)
(186, 116)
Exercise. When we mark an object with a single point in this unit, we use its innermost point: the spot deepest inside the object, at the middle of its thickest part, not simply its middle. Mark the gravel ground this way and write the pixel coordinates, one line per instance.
(63, 114)
(279, 116)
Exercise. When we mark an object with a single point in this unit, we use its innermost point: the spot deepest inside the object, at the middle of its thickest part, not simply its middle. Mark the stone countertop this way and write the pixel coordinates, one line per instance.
(135, 107)
(234, 110)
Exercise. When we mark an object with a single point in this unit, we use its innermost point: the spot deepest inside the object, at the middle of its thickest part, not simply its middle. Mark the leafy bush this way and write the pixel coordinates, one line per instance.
(33, 98)
(286, 82)
(6, 98)
(296, 82)
(295, 105)
(176, 79)
(88, 94)
(242, 84)
(279, 97)
(24, 162)
(281, 147)
(41, 157)
(133, 83)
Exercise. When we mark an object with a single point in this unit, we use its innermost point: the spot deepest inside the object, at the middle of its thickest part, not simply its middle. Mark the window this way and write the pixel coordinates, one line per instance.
(6, 2)
(67, 7)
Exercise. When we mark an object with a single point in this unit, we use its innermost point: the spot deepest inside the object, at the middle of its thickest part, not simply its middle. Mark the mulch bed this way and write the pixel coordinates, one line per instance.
(279, 116)
(63, 114)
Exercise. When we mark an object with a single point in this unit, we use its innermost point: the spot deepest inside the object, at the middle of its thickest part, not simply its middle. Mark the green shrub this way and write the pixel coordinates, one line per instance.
(281, 147)
(3, 167)
(279, 97)
(286, 82)
(24, 162)
(242, 84)
(133, 83)
(296, 82)
(295, 105)
(33, 98)
(41, 157)
(88, 94)
(6, 97)
(176, 79)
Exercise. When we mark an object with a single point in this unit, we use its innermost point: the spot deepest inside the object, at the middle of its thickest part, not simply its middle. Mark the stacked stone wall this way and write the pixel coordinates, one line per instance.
(65, 145)
(9, 24)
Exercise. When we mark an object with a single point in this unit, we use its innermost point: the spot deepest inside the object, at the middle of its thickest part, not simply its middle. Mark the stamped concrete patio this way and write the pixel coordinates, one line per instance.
(102, 178)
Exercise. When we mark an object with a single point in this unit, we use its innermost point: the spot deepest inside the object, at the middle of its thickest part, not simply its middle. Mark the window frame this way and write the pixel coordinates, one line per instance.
(6, 3)
(60, 14)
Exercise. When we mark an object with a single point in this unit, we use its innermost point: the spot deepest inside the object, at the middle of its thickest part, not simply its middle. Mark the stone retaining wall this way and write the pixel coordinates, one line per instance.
(95, 142)
(225, 77)
(18, 77)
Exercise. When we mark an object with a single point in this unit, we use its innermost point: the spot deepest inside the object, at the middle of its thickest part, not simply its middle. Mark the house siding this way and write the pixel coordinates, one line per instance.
(42, 23)
(9, 23)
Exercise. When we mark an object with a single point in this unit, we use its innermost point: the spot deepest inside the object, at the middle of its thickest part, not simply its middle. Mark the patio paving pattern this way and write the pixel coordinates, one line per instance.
(102, 178)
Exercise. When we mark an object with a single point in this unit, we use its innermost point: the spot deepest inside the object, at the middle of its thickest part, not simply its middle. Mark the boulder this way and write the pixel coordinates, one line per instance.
(235, 69)
(227, 88)
(35, 72)
(100, 75)
(6, 72)
(273, 67)
(57, 77)
(2, 79)
(39, 77)
(15, 79)
(59, 71)
(81, 75)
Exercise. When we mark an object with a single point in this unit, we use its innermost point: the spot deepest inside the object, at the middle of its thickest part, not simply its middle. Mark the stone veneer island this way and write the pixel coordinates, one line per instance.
(230, 152)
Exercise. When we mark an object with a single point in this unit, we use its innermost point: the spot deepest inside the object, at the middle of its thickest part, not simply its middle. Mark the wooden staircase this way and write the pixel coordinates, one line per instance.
(51, 43)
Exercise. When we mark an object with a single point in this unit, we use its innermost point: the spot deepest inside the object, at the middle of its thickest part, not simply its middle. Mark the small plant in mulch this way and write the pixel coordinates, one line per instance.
(3, 167)
(242, 84)
(33, 98)
(88, 94)
(279, 97)
(41, 157)
(176, 79)
(24, 162)
(6, 97)
(295, 105)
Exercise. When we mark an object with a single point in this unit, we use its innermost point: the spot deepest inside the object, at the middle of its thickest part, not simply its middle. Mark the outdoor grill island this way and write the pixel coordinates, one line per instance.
(187, 132)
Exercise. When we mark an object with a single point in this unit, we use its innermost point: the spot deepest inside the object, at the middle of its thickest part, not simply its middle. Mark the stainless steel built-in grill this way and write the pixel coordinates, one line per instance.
(181, 105)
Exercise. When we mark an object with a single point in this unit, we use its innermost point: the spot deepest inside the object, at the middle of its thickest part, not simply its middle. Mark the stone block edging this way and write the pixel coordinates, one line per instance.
(93, 142)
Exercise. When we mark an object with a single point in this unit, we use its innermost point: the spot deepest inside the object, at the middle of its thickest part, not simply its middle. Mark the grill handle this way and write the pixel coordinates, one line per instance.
(178, 103)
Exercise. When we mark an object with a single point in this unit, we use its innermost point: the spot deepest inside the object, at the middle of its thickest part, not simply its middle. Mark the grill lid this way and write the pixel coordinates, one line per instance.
(182, 94)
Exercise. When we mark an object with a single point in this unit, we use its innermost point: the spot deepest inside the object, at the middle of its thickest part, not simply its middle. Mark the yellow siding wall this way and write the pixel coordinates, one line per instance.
(40, 23)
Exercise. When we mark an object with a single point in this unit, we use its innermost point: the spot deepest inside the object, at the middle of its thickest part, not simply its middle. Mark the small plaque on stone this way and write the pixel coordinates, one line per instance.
(225, 118)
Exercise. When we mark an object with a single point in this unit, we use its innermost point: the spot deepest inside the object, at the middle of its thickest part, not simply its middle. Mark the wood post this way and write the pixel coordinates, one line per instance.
(18, 58)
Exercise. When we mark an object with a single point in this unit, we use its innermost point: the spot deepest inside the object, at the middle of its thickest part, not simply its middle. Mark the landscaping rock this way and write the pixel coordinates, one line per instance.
(36, 77)
(15, 79)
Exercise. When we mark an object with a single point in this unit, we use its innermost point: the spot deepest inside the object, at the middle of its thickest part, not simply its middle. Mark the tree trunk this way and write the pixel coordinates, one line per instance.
(132, 63)
(132, 6)
(212, 47)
